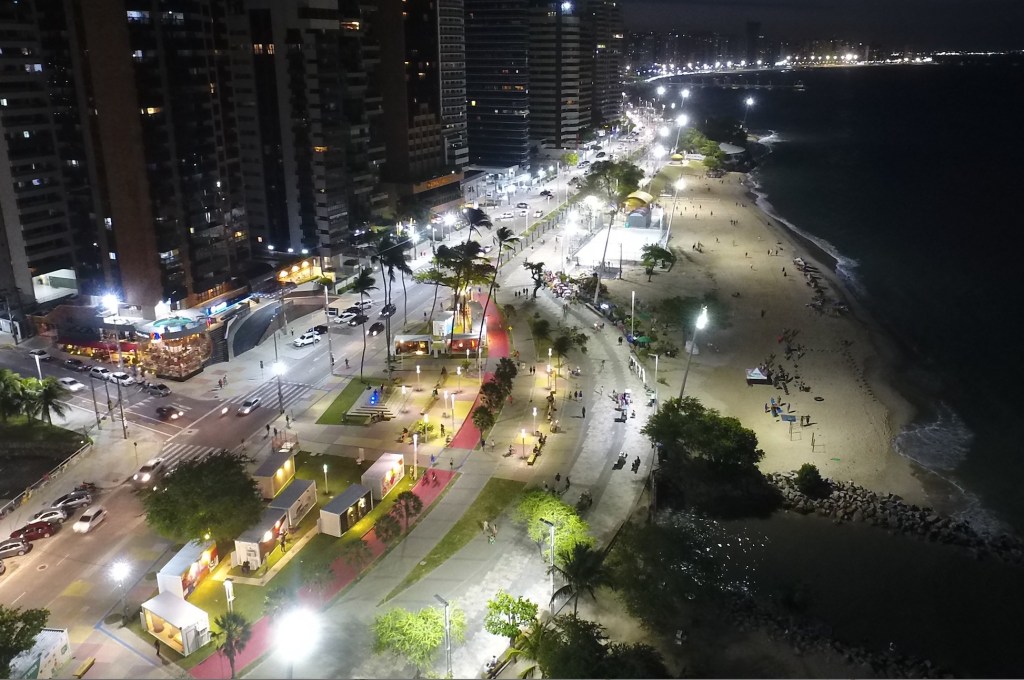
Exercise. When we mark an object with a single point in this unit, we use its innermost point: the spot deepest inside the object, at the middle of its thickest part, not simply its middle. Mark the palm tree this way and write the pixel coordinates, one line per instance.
(584, 570)
(31, 405)
(475, 219)
(236, 631)
(363, 284)
(387, 251)
(48, 398)
(529, 646)
(12, 394)
(506, 239)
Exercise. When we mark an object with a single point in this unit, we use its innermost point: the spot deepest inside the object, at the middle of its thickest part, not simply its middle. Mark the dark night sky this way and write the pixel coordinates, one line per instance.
(921, 24)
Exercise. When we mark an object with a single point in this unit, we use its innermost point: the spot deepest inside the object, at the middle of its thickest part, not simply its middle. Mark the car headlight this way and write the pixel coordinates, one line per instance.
(145, 477)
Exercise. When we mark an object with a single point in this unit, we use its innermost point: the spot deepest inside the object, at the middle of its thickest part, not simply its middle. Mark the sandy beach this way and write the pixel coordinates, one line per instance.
(843, 358)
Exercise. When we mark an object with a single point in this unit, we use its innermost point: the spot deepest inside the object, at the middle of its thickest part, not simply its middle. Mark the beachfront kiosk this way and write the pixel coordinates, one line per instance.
(384, 474)
(179, 624)
(187, 568)
(345, 510)
(253, 546)
(275, 472)
(296, 499)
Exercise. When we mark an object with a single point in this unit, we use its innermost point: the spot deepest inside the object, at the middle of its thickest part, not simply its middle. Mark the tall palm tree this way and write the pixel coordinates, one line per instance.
(12, 394)
(529, 646)
(470, 269)
(236, 631)
(584, 570)
(363, 284)
(475, 219)
(48, 398)
(386, 251)
(506, 240)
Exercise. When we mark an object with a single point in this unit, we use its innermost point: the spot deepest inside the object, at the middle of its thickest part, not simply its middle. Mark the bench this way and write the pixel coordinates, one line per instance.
(532, 459)
(84, 667)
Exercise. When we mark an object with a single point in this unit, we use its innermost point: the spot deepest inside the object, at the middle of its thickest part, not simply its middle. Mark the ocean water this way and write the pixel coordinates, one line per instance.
(909, 177)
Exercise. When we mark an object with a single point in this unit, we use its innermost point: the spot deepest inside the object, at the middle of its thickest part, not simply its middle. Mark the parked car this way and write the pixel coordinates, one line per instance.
(12, 547)
(33, 531)
(160, 390)
(546, 192)
(121, 378)
(524, 213)
(89, 520)
(74, 364)
(75, 499)
(168, 413)
(53, 515)
(100, 372)
(358, 320)
(346, 317)
(306, 339)
(507, 215)
(40, 354)
(70, 384)
(248, 406)
(376, 329)
(319, 330)
(388, 310)
(538, 213)
(365, 303)
(522, 205)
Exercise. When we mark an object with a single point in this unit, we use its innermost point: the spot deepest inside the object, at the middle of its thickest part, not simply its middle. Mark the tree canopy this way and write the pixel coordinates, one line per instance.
(612, 182)
(506, 615)
(570, 529)
(416, 637)
(214, 496)
(18, 631)
(685, 427)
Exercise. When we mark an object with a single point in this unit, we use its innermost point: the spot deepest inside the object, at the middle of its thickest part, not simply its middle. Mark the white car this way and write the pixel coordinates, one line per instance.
(365, 303)
(248, 406)
(71, 384)
(538, 213)
(40, 354)
(100, 372)
(121, 378)
(306, 339)
(148, 472)
(345, 317)
(89, 520)
(53, 515)
(524, 213)
(507, 215)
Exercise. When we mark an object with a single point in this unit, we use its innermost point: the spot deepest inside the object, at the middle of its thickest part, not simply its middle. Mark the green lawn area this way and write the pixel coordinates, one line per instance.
(497, 495)
(23, 430)
(345, 400)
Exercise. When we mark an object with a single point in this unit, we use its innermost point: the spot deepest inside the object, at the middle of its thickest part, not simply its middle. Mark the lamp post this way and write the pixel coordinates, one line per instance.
(297, 633)
(119, 572)
(278, 370)
(656, 403)
(330, 346)
(415, 455)
(702, 321)
(458, 372)
(326, 491)
(523, 433)
(120, 406)
(417, 377)
(534, 418)
(551, 532)
(749, 101)
(95, 408)
(453, 415)
(447, 633)
(632, 314)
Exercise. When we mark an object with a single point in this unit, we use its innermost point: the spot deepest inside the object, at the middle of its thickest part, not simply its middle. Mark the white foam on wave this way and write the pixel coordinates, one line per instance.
(845, 266)
(771, 138)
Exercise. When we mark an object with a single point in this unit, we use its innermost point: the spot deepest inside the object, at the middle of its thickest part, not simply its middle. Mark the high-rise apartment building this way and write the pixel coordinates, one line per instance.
(163, 148)
(606, 42)
(37, 247)
(560, 73)
(305, 101)
(497, 82)
(422, 76)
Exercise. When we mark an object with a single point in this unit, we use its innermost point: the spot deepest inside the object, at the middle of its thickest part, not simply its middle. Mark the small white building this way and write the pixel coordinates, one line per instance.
(384, 474)
(345, 509)
(253, 546)
(296, 499)
(187, 568)
(275, 472)
(52, 649)
(180, 625)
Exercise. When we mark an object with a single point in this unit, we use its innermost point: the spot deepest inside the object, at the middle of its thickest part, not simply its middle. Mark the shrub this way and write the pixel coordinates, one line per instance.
(809, 481)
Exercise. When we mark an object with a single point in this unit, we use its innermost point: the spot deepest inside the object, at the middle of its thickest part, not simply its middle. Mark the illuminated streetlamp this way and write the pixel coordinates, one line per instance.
(523, 432)
(417, 377)
(702, 322)
(326, 491)
(297, 633)
(415, 455)
(749, 101)
(458, 372)
(551, 569)
(447, 633)
(119, 572)
(535, 419)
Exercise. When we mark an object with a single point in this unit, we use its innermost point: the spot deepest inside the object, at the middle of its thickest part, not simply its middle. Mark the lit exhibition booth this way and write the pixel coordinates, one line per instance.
(180, 625)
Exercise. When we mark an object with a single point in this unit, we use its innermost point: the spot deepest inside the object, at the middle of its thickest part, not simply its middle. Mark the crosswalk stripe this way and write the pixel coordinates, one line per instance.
(172, 453)
(267, 393)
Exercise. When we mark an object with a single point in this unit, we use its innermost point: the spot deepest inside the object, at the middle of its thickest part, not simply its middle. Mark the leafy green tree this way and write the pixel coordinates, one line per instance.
(541, 329)
(235, 633)
(809, 481)
(633, 660)
(575, 649)
(407, 505)
(570, 158)
(364, 283)
(388, 529)
(584, 571)
(357, 554)
(277, 600)
(687, 428)
(317, 574)
(483, 420)
(18, 631)
(537, 274)
(493, 395)
(214, 495)
(416, 637)
(11, 394)
(570, 530)
(612, 182)
(437, 276)
(506, 615)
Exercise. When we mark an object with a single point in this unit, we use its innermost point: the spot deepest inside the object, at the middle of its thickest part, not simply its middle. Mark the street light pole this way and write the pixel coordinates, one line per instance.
(551, 531)
(415, 455)
(119, 572)
(535, 419)
(326, 490)
(702, 321)
(95, 408)
(447, 633)
(523, 432)
(39, 368)
(632, 315)
(120, 405)
(330, 346)
(278, 368)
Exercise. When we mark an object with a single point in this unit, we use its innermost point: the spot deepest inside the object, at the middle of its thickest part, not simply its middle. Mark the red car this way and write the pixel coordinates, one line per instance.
(35, 530)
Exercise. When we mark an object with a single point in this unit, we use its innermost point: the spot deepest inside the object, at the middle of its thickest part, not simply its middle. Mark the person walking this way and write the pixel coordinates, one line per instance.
(584, 412)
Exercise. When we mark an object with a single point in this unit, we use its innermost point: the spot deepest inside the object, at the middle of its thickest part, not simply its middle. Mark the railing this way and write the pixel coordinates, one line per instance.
(25, 495)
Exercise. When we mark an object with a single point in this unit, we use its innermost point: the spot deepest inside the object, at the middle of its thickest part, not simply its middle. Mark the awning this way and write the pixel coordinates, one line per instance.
(755, 375)
(641, 196)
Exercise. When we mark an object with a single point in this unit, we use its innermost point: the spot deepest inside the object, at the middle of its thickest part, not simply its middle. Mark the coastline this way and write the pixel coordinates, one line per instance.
(856, 412)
